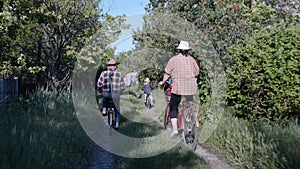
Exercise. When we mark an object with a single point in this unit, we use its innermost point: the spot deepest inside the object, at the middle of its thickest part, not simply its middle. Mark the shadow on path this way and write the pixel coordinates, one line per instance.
(103, 159)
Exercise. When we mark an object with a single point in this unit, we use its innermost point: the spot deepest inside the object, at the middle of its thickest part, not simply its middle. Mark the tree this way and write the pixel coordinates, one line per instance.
(218, 24)
(41, 39)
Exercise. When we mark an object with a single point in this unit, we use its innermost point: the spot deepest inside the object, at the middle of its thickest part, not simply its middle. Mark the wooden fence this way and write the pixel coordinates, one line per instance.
(8, 90)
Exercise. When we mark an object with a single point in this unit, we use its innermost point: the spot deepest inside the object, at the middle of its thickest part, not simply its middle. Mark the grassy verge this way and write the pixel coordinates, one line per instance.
(258, 145)
(42, 133)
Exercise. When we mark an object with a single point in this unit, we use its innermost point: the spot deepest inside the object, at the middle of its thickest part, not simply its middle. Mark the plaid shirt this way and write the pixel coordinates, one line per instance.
(183, 71)
(117, 82)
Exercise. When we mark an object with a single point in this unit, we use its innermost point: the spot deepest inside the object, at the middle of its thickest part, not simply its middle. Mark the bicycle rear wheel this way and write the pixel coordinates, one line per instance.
(148, 102)
(110, 117)
(190, 131)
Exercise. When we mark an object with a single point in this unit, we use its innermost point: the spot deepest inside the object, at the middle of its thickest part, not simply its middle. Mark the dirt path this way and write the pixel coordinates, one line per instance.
(210, 158)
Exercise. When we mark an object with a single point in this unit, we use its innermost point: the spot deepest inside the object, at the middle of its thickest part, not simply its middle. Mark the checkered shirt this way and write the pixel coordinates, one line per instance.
(183, 71)
(117, 82)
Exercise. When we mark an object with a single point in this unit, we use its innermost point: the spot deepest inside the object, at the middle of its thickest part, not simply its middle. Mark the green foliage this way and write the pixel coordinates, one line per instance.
(264, 81)
(17, 34)
(209, 26)
(155, 76)
(262, 17)
(223, 22)
(50, 37)
(217, 23)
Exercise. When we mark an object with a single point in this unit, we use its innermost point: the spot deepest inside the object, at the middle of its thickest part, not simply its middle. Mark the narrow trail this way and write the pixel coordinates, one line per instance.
(106, 160)
(103, 159)
(210, 158)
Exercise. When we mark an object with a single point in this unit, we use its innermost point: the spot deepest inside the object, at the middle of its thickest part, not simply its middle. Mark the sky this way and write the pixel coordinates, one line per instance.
(134, 10)
(127, 7)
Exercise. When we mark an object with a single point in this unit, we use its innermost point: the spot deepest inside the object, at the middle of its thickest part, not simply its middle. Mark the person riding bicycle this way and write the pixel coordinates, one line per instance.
(184, 70)
(147, 88)
(112, 85)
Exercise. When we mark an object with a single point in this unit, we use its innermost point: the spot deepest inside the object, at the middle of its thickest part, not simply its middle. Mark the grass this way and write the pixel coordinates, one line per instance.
(177, 158)
(137, 121)
(246, 144)
(44, 132)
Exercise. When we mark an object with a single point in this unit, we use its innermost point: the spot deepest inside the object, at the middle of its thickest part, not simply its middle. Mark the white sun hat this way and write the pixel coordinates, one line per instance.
(183, 45)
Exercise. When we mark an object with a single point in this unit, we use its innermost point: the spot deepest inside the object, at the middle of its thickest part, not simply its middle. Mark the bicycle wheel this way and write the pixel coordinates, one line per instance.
(110, 117)
(190, 131)
(148, 103)
(167, 116)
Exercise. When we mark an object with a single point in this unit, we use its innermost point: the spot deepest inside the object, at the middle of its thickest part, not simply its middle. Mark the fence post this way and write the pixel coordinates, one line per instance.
(8, 89)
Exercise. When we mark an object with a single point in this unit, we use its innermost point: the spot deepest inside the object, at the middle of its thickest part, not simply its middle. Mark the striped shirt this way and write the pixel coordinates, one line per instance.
(116, 81)
(183, 71)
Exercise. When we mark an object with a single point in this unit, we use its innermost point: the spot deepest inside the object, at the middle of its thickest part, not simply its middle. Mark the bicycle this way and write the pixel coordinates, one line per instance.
(148, 101)
(187, 125)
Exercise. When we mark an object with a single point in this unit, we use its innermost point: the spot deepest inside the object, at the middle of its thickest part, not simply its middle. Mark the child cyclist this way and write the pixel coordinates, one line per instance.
(147, 88)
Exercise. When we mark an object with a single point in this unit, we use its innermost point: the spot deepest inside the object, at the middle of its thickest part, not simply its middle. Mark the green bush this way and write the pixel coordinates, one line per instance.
(264, 79)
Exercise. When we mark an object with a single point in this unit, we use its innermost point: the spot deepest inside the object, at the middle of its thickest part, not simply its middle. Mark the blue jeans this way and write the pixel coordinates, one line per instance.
(116, 100)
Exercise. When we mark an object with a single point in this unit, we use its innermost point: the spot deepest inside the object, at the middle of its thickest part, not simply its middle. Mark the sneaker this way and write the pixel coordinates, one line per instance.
(117, 125)
(104, 111)
(174, 135)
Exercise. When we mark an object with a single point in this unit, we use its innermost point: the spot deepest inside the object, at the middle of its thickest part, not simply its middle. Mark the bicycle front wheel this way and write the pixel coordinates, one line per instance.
(147, 103)
(167, 117)
(190, 132)
(110, 119)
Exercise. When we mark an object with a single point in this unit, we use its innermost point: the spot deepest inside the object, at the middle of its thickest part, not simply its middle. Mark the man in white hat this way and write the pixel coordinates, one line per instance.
(112, 84)
(183, 69)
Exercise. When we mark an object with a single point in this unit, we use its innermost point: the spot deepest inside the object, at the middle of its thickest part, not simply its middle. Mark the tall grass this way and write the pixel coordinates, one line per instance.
(42, 132)
(258, 145)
